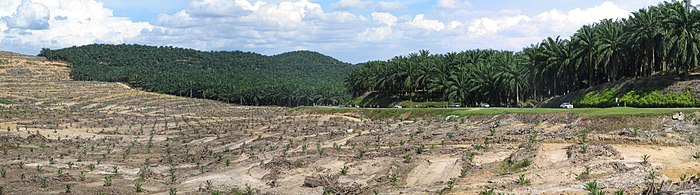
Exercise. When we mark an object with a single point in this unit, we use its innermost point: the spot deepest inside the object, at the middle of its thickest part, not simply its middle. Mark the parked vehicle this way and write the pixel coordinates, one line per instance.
(485, 105)
(566, 105)
(455, 105)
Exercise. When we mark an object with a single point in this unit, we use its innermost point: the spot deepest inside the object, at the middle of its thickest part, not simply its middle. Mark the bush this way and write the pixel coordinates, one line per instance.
(657, 98)
(636, 98)
(601, 98)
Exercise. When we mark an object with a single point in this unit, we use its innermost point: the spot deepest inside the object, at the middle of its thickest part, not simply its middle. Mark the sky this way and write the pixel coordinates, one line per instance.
(353, 31)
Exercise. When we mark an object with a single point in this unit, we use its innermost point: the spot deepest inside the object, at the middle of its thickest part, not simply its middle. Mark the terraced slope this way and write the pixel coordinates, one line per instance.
(90, 137)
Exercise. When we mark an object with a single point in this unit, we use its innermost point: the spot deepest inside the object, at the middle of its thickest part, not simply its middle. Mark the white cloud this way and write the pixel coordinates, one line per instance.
(375, 34)
(553, 22)
(362, 4)
(389, 6)
(62, 23)
(382, 32)
(484, 26)
(420, 22)
(454, 4)
(568, 21)
(351, 4)
(285, 14)
(385, 18)
(29, 15)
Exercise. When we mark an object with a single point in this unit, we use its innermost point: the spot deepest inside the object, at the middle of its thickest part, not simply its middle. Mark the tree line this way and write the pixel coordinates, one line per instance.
(661, 39)
(288, 79)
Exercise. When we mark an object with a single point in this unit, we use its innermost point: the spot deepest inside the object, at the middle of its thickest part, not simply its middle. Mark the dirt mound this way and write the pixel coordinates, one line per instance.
(65, 177)
(11, 138)
(279, 163)
(524, 153)
(330, 182)
(37, 138)
(594, 150)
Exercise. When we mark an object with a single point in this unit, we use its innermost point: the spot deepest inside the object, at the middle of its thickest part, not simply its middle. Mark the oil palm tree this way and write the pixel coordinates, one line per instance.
(584, 42)
(610, 50)
(644, 31)
(683, 41)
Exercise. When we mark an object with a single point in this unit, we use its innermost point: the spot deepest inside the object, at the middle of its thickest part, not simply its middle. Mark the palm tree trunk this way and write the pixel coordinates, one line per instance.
(517, 93)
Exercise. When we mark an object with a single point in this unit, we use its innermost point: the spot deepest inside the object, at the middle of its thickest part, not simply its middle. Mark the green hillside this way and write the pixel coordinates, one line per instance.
(289, 79)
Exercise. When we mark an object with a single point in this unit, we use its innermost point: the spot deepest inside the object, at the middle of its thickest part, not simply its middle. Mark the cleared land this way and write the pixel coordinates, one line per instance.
(61, 135)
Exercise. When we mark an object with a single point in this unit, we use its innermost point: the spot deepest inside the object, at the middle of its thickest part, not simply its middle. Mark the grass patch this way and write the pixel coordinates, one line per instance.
(514, 167)
(410, 104)
(5, 101)
(383, 113)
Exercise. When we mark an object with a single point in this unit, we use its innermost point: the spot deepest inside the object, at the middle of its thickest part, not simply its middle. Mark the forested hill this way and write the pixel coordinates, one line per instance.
(289, 79)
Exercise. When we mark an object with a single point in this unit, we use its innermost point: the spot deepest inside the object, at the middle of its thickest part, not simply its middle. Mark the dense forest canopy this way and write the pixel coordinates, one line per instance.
(661, 39)
(290, 79)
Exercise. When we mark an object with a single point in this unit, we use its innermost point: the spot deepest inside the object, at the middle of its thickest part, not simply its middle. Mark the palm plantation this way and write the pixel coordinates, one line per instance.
(657, 40)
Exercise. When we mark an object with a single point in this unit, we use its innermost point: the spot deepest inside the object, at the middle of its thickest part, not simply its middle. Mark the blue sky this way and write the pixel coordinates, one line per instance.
(350, 30)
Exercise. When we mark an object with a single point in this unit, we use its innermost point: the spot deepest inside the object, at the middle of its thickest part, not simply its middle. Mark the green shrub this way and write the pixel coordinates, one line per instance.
(657, 98)
(601, 98)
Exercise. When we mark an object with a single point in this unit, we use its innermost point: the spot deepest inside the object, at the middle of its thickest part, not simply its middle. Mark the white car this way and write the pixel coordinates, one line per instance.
(398, 106)
(566, 105)
(485, 105)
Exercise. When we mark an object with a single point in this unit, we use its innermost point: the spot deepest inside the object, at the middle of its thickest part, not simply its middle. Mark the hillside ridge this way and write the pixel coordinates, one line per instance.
(288, 79)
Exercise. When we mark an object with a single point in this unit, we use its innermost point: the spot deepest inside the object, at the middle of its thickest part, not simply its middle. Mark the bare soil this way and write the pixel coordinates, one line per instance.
(58, 132)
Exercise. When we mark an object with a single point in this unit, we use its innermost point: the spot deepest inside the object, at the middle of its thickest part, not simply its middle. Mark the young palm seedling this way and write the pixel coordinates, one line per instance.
(463, 172)
(81, 176)
(522, 180)
(407, 158)
(344, 170)
(619, 192)
(138, 187)
(645, 159)
(44, 183)
(108, 181)
(593, 189)
(173, 177)
(586, 173)
(652, 175)
(210, 185)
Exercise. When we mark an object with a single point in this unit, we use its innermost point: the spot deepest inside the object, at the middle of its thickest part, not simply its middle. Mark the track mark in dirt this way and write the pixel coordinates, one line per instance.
(440, 169)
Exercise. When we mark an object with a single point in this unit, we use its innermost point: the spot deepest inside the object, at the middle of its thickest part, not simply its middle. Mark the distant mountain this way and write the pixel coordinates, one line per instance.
(289, 79)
